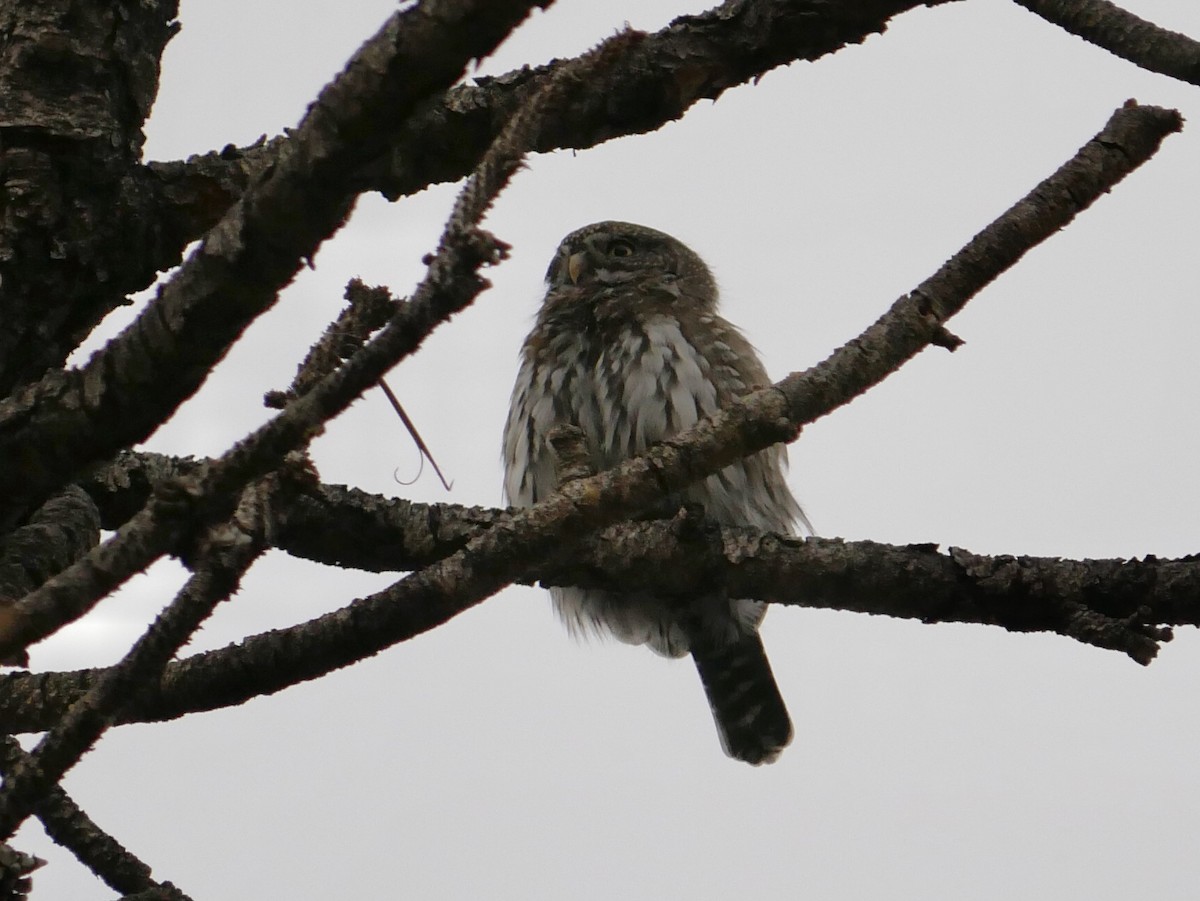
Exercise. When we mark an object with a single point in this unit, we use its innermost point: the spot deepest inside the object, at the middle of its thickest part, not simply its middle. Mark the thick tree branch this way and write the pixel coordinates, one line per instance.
(1123, 34)
(76, 233)
(270, 662)
(54, 428)
(61, 531)
(694, 58)
(1022, 594)
(1126, 600)
(452, 282)
(192, 195)
(346, 527)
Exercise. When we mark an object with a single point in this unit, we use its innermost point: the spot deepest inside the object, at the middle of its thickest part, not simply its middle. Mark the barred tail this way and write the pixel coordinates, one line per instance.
(752, 721)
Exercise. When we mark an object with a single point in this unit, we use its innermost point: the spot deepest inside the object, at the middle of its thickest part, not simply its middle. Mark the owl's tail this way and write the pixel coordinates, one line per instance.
(752, 721)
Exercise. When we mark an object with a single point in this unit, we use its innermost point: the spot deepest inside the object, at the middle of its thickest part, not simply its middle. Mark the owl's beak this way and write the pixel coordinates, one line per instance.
(575, 266)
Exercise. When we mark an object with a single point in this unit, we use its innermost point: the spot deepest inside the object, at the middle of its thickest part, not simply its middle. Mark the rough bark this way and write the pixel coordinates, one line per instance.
(50, 430)
(1123, 34)
(78, 228)
(84, 222)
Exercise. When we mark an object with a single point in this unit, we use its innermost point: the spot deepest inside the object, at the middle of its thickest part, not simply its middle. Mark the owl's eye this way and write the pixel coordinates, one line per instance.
(620, 248)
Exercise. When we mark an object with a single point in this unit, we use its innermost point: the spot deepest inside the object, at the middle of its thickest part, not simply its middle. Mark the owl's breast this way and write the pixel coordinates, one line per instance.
(625, 383)
(650, 382)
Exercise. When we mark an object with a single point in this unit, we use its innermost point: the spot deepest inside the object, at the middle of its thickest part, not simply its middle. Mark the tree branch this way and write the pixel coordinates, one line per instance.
(16, 868)
(52, 429)
(1123, 34)
(270, 662)
(77, 235)
(1115, 604)
(451, 283)
(67, 825)
(694, 58)
(346, 527)
(227, 552)
(1020, 594)
(367, 310)
(60, 532)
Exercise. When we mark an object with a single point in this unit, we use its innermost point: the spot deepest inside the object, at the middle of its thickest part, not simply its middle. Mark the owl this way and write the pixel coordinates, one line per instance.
(628, 347)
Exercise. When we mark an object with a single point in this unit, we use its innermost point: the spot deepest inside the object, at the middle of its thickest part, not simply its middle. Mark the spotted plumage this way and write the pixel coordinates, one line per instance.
(628, 346)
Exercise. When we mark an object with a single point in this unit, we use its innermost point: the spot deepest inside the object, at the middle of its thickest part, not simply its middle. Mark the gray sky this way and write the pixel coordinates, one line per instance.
(496, 758)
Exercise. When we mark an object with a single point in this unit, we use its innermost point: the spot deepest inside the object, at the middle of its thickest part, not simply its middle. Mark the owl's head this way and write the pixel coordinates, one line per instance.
(608, 254)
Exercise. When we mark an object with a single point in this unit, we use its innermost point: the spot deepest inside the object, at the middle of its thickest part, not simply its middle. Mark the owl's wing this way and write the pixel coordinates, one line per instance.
(734, 365)
(755, 491)
(526, 467)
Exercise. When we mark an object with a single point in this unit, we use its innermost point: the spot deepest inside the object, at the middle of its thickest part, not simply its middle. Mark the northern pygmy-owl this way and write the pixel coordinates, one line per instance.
(628, 346)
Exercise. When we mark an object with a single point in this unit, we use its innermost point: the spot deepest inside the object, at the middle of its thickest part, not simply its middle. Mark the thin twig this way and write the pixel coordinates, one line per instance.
(367, 310)
(412, 430)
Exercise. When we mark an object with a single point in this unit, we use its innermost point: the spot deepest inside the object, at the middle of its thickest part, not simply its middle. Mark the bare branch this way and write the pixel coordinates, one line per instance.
(367, 311)
(916, 581)
(15, 869)
(49, 430)
(1128, 598)
(1130, 137)
(426, 599)
(227, 553)
(1114, 604)
(60, 532)
(694, 58)
(347, 527)
(69, 826)
(452, 283)
(1123, 34)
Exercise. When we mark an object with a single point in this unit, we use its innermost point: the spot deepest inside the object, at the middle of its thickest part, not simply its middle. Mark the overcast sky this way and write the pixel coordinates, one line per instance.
(496, 758)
